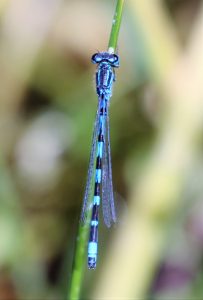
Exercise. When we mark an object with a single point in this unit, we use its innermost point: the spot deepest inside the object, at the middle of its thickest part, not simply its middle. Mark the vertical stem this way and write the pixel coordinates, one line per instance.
(79, 260)
(83, 231)
(115, 26)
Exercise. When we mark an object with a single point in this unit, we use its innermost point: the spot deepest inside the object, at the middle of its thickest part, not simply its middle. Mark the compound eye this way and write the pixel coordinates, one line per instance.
(114, 60)
(111, 58)
(96, 58)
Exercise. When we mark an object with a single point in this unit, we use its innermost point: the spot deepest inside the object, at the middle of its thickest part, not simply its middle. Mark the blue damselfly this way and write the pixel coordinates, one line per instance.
(99, 179)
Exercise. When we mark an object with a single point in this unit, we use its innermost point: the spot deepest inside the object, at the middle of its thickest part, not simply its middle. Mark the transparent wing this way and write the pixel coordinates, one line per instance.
(111, 194)
(105, 185)
(108, 206)
(91, 167)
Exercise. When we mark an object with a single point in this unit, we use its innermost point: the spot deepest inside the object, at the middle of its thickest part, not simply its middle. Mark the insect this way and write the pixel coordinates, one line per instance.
(99, 179)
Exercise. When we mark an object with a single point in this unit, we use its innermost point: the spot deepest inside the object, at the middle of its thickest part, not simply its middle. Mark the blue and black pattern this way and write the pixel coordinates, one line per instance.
(100, 172)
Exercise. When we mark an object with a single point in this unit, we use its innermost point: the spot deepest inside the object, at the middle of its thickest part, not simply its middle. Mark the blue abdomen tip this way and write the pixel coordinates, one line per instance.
(92, 263)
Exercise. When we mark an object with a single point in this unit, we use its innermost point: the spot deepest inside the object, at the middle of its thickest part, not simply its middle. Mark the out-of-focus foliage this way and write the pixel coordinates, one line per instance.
(47, 109)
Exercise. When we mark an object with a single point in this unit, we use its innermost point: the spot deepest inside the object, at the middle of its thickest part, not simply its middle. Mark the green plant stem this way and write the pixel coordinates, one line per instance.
(83, 230)
(78, 266)
(80, 254)
(116, 26)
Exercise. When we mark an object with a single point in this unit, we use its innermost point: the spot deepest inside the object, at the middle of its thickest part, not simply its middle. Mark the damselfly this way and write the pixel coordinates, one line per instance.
(99, 179)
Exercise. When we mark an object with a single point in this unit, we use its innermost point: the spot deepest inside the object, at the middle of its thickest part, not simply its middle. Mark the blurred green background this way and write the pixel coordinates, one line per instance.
(47, 108)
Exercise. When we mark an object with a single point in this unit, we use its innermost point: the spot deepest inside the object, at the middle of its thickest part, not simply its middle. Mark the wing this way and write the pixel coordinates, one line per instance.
(105, 184)
(108, 206)
(90, 175)
(111, 197)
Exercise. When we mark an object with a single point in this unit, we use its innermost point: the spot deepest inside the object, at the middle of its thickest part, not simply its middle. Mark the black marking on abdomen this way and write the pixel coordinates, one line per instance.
(93, 233)
(95, 212)
(97, 189)
(99, 163)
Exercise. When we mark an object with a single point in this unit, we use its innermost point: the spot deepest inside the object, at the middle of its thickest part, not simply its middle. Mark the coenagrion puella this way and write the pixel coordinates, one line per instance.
(99, 178)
